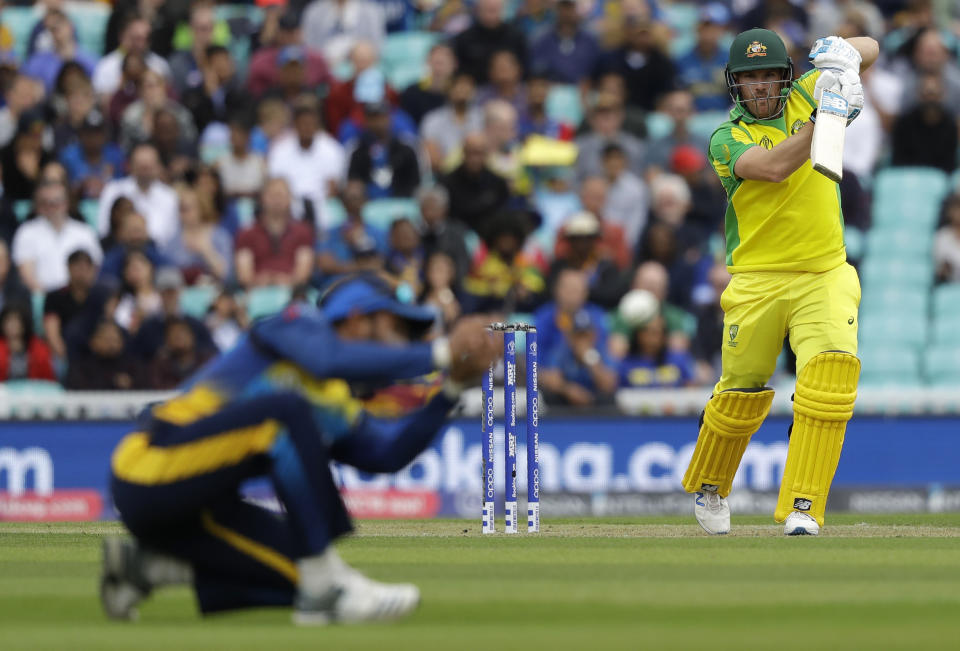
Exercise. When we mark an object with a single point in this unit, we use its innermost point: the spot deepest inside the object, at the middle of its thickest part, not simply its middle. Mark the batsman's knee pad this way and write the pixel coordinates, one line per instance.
(822, 405)
(729, 420)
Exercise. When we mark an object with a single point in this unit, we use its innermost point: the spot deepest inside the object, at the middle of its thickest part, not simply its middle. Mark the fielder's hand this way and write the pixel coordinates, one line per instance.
(472, 348)
(835, 52)
(846, 84)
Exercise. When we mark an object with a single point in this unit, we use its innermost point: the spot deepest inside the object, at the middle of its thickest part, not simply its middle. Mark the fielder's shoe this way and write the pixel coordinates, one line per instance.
(712, 511)
(122, 583)
(800, 524)
(355, 598)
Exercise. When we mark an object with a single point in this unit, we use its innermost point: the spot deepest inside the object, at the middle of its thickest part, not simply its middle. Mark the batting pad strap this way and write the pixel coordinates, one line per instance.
(736, 413)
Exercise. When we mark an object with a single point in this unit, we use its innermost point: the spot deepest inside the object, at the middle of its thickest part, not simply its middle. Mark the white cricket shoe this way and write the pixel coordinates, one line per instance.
(122, 582)
(800, 524)
(712, 511)
(355, 598)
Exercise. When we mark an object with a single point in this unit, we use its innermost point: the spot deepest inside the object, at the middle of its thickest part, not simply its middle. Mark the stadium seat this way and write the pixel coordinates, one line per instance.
(946, 301)
(264, 301)
(383, 212)
(37, 299)
(90, 20)
(941, 364)
(565, 105)
(658, 125)
(402, 76)
(896, 329)
(22, 209)
(908, 196)
(894, 300)
(855, 241)
(89, 210)
(899, 243)
(682, 19)
(406, 51)
(195, 301)
(888, 366)
(702, 125)
(20, 22)
(246, 211)
(881, 272)
(944, 328)
(32, 387)
(336, 213)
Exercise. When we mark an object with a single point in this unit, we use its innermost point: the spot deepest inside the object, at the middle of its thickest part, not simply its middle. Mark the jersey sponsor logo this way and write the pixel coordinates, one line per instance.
(734, 330)
(796, 126)
(802, 504)
(756, 49)
(766, 143)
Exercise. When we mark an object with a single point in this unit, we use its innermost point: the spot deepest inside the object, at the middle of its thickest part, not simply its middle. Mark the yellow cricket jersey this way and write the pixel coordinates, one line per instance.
(795, 225)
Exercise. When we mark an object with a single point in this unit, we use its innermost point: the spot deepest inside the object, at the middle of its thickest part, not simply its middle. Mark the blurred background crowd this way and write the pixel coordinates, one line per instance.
(173, 169)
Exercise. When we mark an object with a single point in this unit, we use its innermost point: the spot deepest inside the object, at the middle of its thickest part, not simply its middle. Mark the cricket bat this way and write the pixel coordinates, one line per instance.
(826, 151)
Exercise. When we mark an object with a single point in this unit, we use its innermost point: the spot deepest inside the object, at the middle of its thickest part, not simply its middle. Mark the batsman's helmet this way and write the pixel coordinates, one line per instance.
(758, 49)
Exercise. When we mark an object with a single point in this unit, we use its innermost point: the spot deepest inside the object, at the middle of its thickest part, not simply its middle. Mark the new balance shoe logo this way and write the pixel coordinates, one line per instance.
(801, 504)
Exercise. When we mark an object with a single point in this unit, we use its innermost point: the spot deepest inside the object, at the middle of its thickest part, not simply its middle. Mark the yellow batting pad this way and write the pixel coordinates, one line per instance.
(822, 405)
(729, 420)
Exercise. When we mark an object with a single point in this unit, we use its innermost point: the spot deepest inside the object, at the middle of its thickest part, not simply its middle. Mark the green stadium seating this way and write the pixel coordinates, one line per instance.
(336, 213)
(908, 196)
(383, 212)
(407, 52)
(702, 125)
(20, 22)
(899, 243)
(564, 104)
(89, 210)
(264, 301)
(22, 209)
(855, 241)
(896, 329)
(945, 328)
(658, 125)
(195, 301)
(404, 75)
(894, 300)
(37, 299)
(32, 387)
(888, 366)
(883, 272)
(90, 20)
(946, 301)
(941, 364)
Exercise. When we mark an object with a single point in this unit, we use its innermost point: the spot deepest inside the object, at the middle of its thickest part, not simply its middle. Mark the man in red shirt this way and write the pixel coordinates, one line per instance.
(264, 71)
(276, 250)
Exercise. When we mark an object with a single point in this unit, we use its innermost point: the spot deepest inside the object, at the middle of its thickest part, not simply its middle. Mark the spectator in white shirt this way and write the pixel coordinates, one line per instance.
(135, 38)
(311, 161)
(339, 24)
(42, 245)
(151, 197)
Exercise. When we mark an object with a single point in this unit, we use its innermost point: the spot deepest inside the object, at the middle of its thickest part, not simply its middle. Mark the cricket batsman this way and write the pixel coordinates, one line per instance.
(278, 406)
(785, 251)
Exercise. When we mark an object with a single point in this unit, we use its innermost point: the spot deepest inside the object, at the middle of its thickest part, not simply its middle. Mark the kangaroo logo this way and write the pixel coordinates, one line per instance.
(756, 49)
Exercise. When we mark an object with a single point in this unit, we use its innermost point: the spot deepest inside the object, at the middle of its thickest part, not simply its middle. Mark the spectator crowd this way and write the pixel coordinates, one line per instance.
(541, 160)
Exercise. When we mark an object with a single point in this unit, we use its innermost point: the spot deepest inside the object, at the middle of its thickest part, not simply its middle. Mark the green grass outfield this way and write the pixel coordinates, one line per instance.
(870, 582)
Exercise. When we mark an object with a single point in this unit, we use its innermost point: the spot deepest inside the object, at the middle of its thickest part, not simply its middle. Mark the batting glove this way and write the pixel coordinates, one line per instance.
(844, 83)
(835, 52)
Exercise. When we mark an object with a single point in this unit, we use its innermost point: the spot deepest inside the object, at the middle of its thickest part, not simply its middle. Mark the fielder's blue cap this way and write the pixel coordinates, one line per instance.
(368, 294)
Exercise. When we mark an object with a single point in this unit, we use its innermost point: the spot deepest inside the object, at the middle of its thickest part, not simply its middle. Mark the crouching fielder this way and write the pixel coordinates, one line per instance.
(785, 251)
(278, 406)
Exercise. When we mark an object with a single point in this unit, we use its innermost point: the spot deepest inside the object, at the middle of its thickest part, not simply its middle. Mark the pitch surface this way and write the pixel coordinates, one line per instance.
(890, 582)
